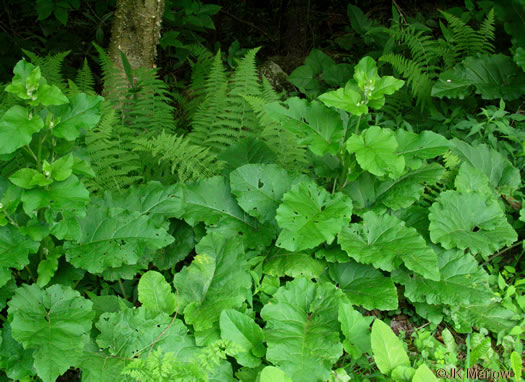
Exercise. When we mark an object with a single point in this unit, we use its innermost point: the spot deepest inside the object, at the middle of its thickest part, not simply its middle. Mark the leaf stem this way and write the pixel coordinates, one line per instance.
(28, 149)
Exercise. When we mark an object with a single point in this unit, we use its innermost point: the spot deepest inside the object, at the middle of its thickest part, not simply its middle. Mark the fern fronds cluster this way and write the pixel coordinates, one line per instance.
(175, 158)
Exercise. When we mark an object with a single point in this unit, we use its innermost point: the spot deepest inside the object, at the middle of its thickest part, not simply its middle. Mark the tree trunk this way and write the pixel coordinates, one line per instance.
(136, 32)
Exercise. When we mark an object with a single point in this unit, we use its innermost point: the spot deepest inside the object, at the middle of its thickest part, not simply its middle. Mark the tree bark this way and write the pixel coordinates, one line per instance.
(136, 32)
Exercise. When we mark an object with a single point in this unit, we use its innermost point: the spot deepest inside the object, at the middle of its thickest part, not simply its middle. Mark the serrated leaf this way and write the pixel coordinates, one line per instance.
(463, 282)
(242, 330)
(315, 125)
(259, 188)
(217, 279)
(355, 328)
(426, 145)
(302, 331)
(364, 285)
(388, 350)
(488, 314)
(54, 322)
(112, 237)
(376, 152)
(131, 332)
(155, 293)
(47, 268)
(469, 221)
(82, 113)
(385, 242)
(17, 126)
(309, 216)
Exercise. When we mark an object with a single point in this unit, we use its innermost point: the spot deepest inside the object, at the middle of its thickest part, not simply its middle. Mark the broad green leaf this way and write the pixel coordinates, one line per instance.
(47, 268)
(51, 95)
(283, 263)
(385, 242)
(364, 285)
(515, 359)
(388, 350)
(259, 188)
(217, 279)
(132, 332)
(315, 125)
(112, 237)
(302, 331)
(488, 314)
(29, 178)
(15, 249)
(426, 145)
(17, 126)
(501, 173)
(155, 293)
(387, 85)
(365, 72)
(355, 328)
(15, 361)
(376, 152)
(18, 85)
(99, 366)
(274, 374)
(242, 330)
(470, 179)
(309, 216)
(347, 99)
(83, 113)
(318, 60)
(306, 80)
(69, 197)
(424, 374)
(54, 322)
(469, 221)
(463, 282)
(62, 168)
(492, 76)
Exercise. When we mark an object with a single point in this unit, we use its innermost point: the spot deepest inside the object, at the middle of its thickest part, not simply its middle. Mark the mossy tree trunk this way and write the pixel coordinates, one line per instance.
(136, 32)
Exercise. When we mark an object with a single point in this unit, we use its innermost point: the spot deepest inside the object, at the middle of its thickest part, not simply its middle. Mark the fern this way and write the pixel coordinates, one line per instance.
(176, 159)
(108, 145)
(468, 42)
(225, 117)
(84, 79)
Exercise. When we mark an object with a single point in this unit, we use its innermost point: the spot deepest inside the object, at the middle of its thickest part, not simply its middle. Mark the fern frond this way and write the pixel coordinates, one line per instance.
(116, 166)
(84, 79)
(50, 67)
(185, 161)
(423, 48)
(418, 79)
(268, 92)
(467, 41)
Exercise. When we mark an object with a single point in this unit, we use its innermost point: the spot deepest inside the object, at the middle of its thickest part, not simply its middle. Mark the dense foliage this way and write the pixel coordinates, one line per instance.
(365, 222)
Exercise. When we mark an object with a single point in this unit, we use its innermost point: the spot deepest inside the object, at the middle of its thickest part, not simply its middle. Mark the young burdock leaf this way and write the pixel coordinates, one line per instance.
(302, 331)
(237, 327)
(17, 126)
(259, 188)
(364, 285)
(54, 322)
(469, 221)
(355, 328)
(29, 178)
(283, 263)
(376, 152)
(62, 168)
(309, 216)
(388, 350)
(83, 113)
(217, 279)
(155, 293)
(47, 268)
(385, 242)
(347, 99)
